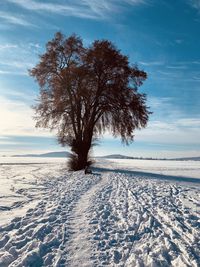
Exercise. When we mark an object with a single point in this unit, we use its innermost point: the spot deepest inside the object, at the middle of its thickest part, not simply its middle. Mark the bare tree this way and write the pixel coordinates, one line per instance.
(87, 90)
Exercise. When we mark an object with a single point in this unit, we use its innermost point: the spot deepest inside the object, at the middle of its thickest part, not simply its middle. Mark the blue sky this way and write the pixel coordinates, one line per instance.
(162, 37)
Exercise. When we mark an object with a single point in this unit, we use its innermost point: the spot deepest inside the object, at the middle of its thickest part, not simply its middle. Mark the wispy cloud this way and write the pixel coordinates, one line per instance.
(17, 131)
(136, 2)
(53, 8)
(19, 57)
(158, 102)
(169, 124)
(14, 19)
(19, 119)
(196, 78)
(195, 4)
(91, 9)
(86, 9)
(179, 67)
(7, 46)
(196, 62)
(7, 72)
(192, 62)
(164, 108)
(152, 63)
(172, 64)
(179, 132)
(189, 122)
(179, 41)
(18, 64)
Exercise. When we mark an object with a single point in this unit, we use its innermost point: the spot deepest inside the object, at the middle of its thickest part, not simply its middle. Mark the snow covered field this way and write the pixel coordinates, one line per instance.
(121, 215)
(189, 169)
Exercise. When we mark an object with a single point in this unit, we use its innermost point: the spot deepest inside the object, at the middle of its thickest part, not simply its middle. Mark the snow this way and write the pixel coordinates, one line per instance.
(188, 168)
(130, 213)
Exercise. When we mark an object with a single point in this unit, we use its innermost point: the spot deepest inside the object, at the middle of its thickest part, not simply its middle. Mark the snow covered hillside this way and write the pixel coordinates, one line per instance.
(114, 217)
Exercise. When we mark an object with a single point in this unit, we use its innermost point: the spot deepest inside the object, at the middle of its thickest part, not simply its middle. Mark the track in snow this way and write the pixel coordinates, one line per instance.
(144, 222)
(80, 245)
(40, 238)
(106, 219)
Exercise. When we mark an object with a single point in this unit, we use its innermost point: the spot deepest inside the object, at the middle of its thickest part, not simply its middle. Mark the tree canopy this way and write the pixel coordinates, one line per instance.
(85, 91)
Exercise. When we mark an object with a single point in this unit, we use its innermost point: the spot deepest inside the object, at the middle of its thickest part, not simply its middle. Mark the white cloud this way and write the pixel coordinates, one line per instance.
(180, 67)
(178, 132)
(7, 72)
(170, 65)
(152, 63)
(168, 125)
(18, 64)
(195, 4)
(136, 2)
(179, 41)
(92, 9)
(7, 46)
(196, 62)
(35, 45)
(13, 19)
(9, 142)
(185, 132)
(17, 119)
(68, 9)
(18, 58)
(189, 122)
(196, 78)
(158, 102)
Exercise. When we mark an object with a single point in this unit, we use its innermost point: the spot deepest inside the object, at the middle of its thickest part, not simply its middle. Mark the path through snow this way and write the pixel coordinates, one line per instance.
(80, 245)
(106, 219)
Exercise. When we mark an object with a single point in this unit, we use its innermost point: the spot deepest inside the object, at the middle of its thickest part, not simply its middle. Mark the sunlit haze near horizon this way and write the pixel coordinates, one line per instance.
(162, 37)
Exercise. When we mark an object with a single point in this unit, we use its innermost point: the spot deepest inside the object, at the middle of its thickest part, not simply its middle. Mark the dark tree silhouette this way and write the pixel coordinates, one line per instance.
(87, 90)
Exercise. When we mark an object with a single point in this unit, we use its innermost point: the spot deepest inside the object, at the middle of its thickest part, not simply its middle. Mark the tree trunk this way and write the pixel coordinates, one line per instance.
(84, 148)
(80, 148)
(79, 158)
(82, 159)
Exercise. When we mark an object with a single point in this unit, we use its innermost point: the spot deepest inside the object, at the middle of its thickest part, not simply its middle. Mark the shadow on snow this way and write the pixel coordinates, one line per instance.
(150, 175)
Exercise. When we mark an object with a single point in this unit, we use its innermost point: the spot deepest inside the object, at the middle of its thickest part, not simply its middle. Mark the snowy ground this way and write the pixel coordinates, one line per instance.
(164, 167)
(115, 217)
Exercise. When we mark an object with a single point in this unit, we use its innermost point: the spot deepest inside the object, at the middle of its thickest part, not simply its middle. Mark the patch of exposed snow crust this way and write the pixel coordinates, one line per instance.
(108, 218)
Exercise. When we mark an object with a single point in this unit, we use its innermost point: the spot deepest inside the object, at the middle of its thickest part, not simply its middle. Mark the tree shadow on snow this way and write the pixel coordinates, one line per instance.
(149, 175)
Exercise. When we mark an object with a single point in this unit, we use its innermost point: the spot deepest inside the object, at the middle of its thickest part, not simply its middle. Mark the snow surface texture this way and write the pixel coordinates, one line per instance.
(164, 167)
(109, 218)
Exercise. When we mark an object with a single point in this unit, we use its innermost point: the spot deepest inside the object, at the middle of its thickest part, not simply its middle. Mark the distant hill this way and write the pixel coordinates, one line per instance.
(190, 158)
(61, 154)
(117, 156)
(65, 154)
